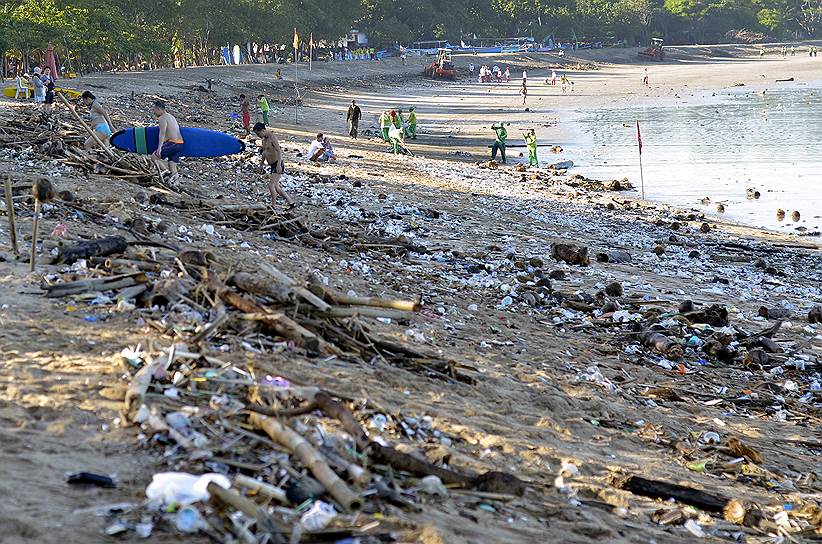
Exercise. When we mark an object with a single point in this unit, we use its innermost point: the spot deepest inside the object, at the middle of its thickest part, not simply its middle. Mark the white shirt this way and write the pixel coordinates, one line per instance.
(524, 74)
(315, 146)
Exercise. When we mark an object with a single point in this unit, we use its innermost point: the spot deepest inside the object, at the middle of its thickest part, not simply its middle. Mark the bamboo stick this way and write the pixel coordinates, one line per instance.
(311, 458)
(85, 126)
(33, 258)
(10, 213)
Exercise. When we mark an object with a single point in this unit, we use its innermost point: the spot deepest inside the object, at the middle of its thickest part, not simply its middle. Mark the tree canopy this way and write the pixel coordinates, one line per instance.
(191, 30)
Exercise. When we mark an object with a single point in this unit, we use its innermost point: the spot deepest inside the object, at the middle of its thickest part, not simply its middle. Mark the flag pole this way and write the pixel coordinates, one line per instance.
(641, 171)
(296, 89)
(310, 50)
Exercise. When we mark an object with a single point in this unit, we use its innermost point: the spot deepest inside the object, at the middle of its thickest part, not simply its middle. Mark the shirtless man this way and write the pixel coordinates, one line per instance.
(271, 153)
(170, 143)
(99, 121)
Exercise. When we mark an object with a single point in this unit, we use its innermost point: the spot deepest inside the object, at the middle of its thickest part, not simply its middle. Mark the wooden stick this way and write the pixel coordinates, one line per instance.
(232, 498)
(311, 458)
(368, 311)
(664, 491)
(10, 213)
(261, 487)
(34, 235)
(137, 389)
(282, 278)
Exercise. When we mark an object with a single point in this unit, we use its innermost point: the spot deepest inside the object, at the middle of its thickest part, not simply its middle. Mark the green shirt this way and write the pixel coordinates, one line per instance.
(263, 103)
(502, 134)
(384, 118)
(531, 140)
(412, 118)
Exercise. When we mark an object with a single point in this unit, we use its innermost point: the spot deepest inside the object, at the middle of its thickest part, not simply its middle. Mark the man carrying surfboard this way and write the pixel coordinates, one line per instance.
(100, 122)
(272, 154)
(170, 142)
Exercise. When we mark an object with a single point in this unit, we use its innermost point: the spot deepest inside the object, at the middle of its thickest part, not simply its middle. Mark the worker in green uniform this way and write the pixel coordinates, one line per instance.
(531, 141)
(412, 123)
(385, 121)
(262, 103)
(398, 120)
(499, 143)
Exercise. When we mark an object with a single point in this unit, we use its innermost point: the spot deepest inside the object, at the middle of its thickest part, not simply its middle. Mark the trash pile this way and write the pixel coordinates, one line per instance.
(279, 457)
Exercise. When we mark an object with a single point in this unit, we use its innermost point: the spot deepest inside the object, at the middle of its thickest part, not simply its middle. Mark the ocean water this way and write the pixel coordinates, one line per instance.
(715, 147)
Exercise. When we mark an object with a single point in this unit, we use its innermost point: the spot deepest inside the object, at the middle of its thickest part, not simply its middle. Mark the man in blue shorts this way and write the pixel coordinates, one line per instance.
(170, 143)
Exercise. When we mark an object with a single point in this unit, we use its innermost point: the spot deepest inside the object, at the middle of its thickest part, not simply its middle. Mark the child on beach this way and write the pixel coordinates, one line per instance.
(523, 91)
(245, 111)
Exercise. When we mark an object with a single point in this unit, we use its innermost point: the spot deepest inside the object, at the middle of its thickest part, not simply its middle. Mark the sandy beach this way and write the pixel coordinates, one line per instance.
(560, 390)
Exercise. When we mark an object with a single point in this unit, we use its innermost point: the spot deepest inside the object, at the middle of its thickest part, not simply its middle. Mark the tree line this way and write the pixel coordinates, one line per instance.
(186, 32)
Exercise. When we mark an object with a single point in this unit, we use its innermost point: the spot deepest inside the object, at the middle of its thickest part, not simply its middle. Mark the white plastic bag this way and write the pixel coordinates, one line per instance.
(183, 488)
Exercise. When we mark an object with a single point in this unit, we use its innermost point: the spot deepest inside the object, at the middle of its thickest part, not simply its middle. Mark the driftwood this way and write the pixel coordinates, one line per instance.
(259, 286)
(261, 487)
(341, 298)
(283, 326)
(231, 498)
(661, 344)
(664, 491)
(289, 283)
(571, 254)
(137, 389)
(92, 248)
(96, 284)
(311, 458)
(368, 311)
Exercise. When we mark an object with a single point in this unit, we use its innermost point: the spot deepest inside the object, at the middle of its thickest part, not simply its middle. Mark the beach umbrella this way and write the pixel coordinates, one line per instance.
(50, 61)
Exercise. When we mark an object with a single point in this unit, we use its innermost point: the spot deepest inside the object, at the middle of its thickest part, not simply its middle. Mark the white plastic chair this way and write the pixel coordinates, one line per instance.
(22, 88)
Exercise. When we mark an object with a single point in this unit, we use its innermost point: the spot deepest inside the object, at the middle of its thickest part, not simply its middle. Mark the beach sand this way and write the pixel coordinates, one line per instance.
(536, 404)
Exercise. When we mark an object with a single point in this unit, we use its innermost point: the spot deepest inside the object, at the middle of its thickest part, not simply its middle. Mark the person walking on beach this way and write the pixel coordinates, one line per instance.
(245, 111)
(645, 80)
(48, 83)
(523, 91)
(265, 109)
(507, 75)
(353, 119)
(99, 121)
(412, 123)
(565, 82)
(169, 142)
(531, 142)
(385, 121)
(793, 51)
(553, 78)
(271, 153)
(499, 142)
(471, 70)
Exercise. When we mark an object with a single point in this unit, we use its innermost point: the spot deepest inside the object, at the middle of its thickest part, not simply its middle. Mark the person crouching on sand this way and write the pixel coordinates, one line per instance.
(271, 153)
(99, 121)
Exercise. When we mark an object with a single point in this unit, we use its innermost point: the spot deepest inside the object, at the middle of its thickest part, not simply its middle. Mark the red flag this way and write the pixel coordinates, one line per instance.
(639, 137)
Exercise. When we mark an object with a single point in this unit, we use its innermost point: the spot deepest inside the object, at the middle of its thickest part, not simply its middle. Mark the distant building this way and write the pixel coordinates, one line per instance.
(356, 39)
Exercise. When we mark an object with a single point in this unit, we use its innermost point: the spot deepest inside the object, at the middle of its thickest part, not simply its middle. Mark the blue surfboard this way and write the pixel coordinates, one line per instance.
(198, 142)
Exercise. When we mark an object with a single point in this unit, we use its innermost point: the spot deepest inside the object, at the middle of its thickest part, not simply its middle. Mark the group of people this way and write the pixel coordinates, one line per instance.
(530, 137)
(394, 128)
(361, 53)
(490, 74)
(43, 83)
